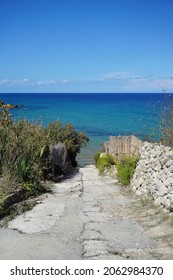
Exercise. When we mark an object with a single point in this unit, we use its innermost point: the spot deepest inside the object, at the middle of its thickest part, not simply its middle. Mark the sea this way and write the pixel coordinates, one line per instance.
(97, 115)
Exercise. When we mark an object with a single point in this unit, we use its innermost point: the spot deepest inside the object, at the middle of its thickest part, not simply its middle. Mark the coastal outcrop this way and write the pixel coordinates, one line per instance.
(154, 174)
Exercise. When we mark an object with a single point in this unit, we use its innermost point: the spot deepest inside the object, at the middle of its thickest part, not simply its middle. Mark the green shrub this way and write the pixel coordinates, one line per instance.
(125, 169)
(66, 134)
(96, 158)
(24, 149)
(105, 161)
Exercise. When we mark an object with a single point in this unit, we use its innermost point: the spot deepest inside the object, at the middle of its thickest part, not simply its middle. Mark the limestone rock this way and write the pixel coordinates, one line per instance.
(154, 174)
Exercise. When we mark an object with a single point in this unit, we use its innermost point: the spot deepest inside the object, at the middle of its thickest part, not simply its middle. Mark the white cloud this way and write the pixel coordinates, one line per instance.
(65, 82)
(116, 76)
(46, 83)
(7, 82)
(123, 80)
(150, 84)
(4, 82)
(123, 76)
(130, 81)
(25, 81)
(52, 82)
(39, 83)
(164, 84)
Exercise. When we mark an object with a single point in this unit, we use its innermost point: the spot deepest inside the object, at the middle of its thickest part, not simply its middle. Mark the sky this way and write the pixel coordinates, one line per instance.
(87, 46)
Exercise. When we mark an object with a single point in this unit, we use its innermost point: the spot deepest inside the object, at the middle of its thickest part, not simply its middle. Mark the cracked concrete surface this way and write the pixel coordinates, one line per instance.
(89, 217)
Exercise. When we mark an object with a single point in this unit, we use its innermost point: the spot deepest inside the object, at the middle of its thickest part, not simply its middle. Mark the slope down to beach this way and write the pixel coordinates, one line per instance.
(88, 216)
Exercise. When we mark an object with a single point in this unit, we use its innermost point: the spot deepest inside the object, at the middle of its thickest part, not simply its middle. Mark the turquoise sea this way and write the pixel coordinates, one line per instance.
(98, 115)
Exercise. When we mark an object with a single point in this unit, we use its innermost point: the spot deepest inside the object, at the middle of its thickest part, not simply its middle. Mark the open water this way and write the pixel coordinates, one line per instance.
(98, 115)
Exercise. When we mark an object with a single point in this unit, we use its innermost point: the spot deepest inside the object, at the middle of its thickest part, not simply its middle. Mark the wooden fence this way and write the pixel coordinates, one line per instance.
(123, 145)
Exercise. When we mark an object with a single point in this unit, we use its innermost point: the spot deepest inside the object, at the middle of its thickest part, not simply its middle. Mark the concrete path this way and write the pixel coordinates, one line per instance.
(89, 217)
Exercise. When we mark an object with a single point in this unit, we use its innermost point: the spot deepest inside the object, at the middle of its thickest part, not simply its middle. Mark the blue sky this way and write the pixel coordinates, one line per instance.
(86, 46)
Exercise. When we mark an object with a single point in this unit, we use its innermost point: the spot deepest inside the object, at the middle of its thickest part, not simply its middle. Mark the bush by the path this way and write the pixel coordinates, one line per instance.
(125, 169)
(103, 161)
(125, 166)
(24, 150)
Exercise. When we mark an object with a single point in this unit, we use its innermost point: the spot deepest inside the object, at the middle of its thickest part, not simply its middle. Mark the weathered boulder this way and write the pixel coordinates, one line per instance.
(58, 157)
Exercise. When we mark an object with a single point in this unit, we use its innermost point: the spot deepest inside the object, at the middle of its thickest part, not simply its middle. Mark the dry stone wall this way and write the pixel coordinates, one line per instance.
(154, 175)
